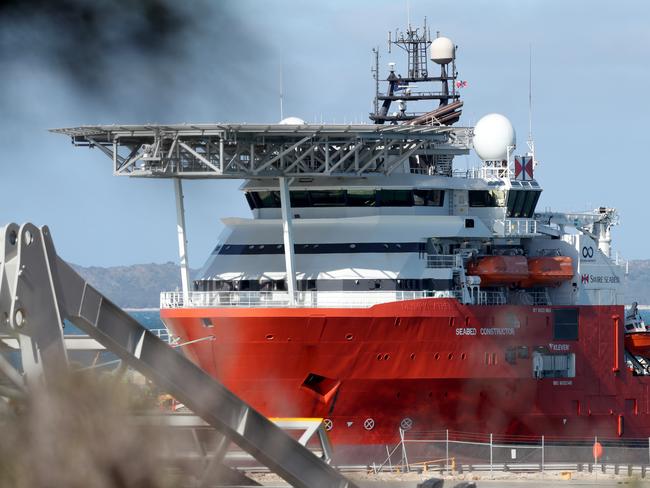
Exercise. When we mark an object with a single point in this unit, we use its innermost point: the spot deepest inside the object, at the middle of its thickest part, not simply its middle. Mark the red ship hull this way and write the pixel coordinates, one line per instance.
(428, 364)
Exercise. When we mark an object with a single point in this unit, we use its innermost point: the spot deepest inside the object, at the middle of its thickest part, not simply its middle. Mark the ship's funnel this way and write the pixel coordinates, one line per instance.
(493, 136)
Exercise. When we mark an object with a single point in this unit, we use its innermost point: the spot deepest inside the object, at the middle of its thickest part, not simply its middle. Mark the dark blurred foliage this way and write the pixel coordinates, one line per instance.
(77, 433)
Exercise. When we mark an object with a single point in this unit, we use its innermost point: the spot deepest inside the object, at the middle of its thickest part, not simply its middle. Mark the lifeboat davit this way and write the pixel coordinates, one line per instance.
(499, 270)
(548, 271)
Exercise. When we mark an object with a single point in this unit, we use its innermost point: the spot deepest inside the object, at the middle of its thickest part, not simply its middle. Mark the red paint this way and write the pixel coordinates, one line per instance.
(429, 360)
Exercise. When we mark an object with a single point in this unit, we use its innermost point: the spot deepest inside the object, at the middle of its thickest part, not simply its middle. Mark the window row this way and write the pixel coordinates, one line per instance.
(348, 198)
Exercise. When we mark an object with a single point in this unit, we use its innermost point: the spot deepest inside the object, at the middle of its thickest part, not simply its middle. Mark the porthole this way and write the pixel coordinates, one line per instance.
(379, 357)
(269, 337)
(386, 357)
(463, 356)
(450, 356)
(436, 356)
(412, 355)
(349, 337)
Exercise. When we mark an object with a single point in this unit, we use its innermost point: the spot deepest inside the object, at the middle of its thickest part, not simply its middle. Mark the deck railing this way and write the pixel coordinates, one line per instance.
(304, 299)
(444, 261)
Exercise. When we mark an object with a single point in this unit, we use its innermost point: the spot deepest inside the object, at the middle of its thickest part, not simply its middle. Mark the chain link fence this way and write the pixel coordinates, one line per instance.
(448, 451)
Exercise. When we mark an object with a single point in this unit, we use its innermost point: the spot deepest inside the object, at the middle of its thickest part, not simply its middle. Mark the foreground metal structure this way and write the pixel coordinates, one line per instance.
(38, 291)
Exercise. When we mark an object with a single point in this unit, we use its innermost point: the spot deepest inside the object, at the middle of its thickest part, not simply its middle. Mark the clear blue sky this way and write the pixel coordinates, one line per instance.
(591, 99)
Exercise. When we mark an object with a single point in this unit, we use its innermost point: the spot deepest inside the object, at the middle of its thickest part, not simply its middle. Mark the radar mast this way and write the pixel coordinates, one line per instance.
(414, 87)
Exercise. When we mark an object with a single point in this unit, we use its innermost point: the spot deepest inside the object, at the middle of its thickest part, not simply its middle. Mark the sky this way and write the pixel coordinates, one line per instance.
(221, 62)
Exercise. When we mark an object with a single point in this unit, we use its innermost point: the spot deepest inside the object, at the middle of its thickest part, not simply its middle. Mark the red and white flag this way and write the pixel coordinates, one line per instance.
(523, 168)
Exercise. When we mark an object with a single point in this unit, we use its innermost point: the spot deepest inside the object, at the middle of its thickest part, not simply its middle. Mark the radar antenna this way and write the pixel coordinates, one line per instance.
(531, 141)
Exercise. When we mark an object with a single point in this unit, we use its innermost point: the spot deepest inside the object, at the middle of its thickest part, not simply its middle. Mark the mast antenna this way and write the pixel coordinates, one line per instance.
(531, 142)
(281, 95)
(408, 14)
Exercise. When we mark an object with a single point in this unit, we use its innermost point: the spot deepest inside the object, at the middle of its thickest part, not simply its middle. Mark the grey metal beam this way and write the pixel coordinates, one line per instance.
(52, 291)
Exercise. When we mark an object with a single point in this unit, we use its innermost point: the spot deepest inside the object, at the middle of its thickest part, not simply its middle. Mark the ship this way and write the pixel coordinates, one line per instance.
(421, 297)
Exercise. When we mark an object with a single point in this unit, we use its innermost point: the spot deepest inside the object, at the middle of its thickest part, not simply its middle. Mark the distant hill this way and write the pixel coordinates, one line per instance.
(139, 286)
(136, 286)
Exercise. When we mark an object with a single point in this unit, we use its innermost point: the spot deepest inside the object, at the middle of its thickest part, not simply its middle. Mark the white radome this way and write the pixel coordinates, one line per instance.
(292, 121)
(443, 50)
(492, 136)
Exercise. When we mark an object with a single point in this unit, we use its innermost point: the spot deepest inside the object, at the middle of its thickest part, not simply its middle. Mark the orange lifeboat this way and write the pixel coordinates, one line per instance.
(638, 343)
(499, 270)
(548, 271)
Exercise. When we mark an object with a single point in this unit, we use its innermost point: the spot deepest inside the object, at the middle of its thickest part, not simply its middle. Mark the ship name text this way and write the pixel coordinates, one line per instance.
(485, 331)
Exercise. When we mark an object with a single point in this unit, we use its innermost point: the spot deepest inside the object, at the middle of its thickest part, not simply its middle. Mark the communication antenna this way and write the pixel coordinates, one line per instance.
(408, 14)
(281, 95)
(531, 142)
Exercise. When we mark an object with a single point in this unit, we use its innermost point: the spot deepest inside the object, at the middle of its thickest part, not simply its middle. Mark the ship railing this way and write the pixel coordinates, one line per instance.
(444, 261)
(489, 297)
(515, 227)
(163, 335)
(529, 297)
(309, 299)
(482, 173)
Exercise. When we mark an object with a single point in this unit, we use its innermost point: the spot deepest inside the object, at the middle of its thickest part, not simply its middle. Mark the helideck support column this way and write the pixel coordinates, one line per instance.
(287, 236)
(182, 240)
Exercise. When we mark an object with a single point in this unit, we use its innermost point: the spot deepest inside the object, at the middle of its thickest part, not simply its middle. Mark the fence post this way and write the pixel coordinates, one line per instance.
(542, 454)
(405, 459)
(490, 455)
(447, 451)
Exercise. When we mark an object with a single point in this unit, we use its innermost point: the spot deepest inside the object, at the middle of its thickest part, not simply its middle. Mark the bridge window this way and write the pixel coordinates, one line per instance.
(522, 203)
(349, 198)
(267, 199)
(362, 198)
(299, 199)
(327, 198)
(487, 198)
(428, 198)
(396, 198)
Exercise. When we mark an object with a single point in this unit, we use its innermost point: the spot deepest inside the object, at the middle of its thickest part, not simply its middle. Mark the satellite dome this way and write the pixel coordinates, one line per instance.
(492, 136)
(292, 121)
(443, 50)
